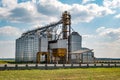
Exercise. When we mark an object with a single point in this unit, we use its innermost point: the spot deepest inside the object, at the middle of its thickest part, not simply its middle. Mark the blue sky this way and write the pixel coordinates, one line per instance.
(96, 20)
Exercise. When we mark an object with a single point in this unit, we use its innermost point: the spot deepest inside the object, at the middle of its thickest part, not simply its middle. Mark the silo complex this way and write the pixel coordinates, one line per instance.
(28, 45)
(45, 44)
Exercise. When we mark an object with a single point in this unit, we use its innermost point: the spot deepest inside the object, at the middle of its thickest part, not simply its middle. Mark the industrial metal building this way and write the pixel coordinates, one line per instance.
(54, 43)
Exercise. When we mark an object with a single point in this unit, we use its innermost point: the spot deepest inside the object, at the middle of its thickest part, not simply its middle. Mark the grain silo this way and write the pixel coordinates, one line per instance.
(78, 53)
(44, 44)
(19, 50)
(76, 41)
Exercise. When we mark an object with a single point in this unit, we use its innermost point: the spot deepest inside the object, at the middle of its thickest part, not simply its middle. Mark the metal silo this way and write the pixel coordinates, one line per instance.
(19, 50)
(22, 49)
(35, 46)
(43, 44)
(29, 48)
(76, 40)
(25, 58)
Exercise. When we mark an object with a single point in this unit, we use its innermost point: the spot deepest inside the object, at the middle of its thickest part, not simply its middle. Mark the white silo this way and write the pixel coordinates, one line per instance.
(76, 41)
(19, 50)
(29, 44)
(43, 44)
(35, 46)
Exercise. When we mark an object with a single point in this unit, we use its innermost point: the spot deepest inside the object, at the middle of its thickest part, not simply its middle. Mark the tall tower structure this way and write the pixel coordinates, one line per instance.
(66, 21)
(66, 30)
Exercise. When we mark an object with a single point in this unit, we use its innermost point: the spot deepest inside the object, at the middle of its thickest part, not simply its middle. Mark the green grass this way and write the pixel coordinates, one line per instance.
(62, 74)
(6, 61)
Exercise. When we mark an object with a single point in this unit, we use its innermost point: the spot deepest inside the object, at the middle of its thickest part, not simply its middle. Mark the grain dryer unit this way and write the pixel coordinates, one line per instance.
(58, 51)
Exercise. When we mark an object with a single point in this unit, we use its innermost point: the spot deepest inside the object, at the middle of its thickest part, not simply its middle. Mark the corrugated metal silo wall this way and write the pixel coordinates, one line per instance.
(76, 40)
(76, 44)
(43, 44)
(19, 50)
(31, 44)
(35, 47)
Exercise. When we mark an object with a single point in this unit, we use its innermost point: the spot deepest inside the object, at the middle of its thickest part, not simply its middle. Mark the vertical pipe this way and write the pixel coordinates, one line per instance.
(69, 45)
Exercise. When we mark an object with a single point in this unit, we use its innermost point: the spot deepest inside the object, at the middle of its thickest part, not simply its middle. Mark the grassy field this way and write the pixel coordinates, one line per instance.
(62, 74)
(6, 61)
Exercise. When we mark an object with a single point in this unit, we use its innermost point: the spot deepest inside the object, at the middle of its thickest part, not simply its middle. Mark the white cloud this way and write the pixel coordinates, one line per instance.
(86, 13)
(9, 3)
(88, 36)
(35, 26)
(111, 3)
(10, 31)
(80, 13)
(26, 12)
(6, 42)
(106, 49)
(117, 16)
(86, 1)
(7, 49)
(4, 13)
(52, 7)
(106, 43)
(109, 47)
(34, 1)
(100, 29)
(46, 11)
(111, 33)
(99, 10)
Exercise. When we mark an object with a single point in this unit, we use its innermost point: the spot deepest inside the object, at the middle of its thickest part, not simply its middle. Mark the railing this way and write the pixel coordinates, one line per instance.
(55, 66)
(107, 61)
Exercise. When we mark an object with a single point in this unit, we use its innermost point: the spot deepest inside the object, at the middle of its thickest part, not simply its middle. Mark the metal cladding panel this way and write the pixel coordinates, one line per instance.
(62, 43)
(88, 57)
(73, 56)
(43, 45)
(76, 40)
(59, 44)
(76, 56)
(43, 49)
(53, 45)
